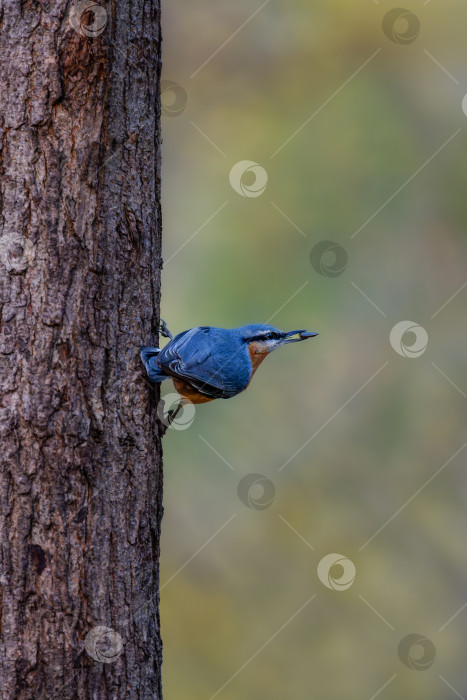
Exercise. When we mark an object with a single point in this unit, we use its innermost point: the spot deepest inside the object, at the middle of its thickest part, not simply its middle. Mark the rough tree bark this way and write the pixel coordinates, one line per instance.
(80, 448)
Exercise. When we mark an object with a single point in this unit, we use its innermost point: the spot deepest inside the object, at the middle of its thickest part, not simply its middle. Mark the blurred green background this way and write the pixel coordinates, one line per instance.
(371, 438)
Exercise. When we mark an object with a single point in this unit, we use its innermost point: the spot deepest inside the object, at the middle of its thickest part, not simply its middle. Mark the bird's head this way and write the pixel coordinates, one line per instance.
(267, 338)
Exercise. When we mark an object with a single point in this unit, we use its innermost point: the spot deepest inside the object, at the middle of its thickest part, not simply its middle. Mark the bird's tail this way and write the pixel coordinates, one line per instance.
(148, 356)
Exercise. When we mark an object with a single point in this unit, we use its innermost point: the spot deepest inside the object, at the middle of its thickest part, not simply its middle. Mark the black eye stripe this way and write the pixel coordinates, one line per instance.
(266, 336)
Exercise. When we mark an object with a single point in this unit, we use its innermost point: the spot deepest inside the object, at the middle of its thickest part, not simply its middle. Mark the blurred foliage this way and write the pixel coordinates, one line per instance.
(375, 451)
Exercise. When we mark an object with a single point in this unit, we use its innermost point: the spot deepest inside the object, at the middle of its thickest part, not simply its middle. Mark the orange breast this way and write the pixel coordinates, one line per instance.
(188, 392)
(257, 354)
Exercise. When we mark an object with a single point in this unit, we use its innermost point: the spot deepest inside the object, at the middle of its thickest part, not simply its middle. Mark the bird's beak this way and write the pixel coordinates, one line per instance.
(302, 335)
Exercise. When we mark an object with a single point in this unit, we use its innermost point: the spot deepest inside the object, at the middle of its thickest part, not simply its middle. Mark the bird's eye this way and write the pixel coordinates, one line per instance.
(269, 336)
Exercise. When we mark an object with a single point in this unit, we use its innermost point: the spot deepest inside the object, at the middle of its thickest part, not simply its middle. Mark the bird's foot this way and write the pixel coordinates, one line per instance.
(172, 414)
(164, 331)
(169, 418)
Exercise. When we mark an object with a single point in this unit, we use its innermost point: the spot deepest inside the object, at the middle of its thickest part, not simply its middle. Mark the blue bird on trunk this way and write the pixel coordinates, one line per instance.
(207, 363)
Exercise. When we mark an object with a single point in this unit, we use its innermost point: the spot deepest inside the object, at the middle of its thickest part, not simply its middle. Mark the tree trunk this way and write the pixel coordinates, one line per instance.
(80, 448)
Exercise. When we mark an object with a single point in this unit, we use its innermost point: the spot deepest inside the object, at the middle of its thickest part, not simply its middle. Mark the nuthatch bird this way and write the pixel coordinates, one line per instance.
(207, 363)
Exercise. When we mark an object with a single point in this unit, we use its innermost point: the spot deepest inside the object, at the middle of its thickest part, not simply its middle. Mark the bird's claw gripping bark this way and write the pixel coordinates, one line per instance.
(169, 418)
(164, 331)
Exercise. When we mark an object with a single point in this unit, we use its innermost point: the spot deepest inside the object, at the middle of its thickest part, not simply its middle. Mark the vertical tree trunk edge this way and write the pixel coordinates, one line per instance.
(80, 269)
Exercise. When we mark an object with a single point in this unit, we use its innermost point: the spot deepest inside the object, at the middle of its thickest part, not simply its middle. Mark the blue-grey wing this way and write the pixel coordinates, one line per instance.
(207, 360)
